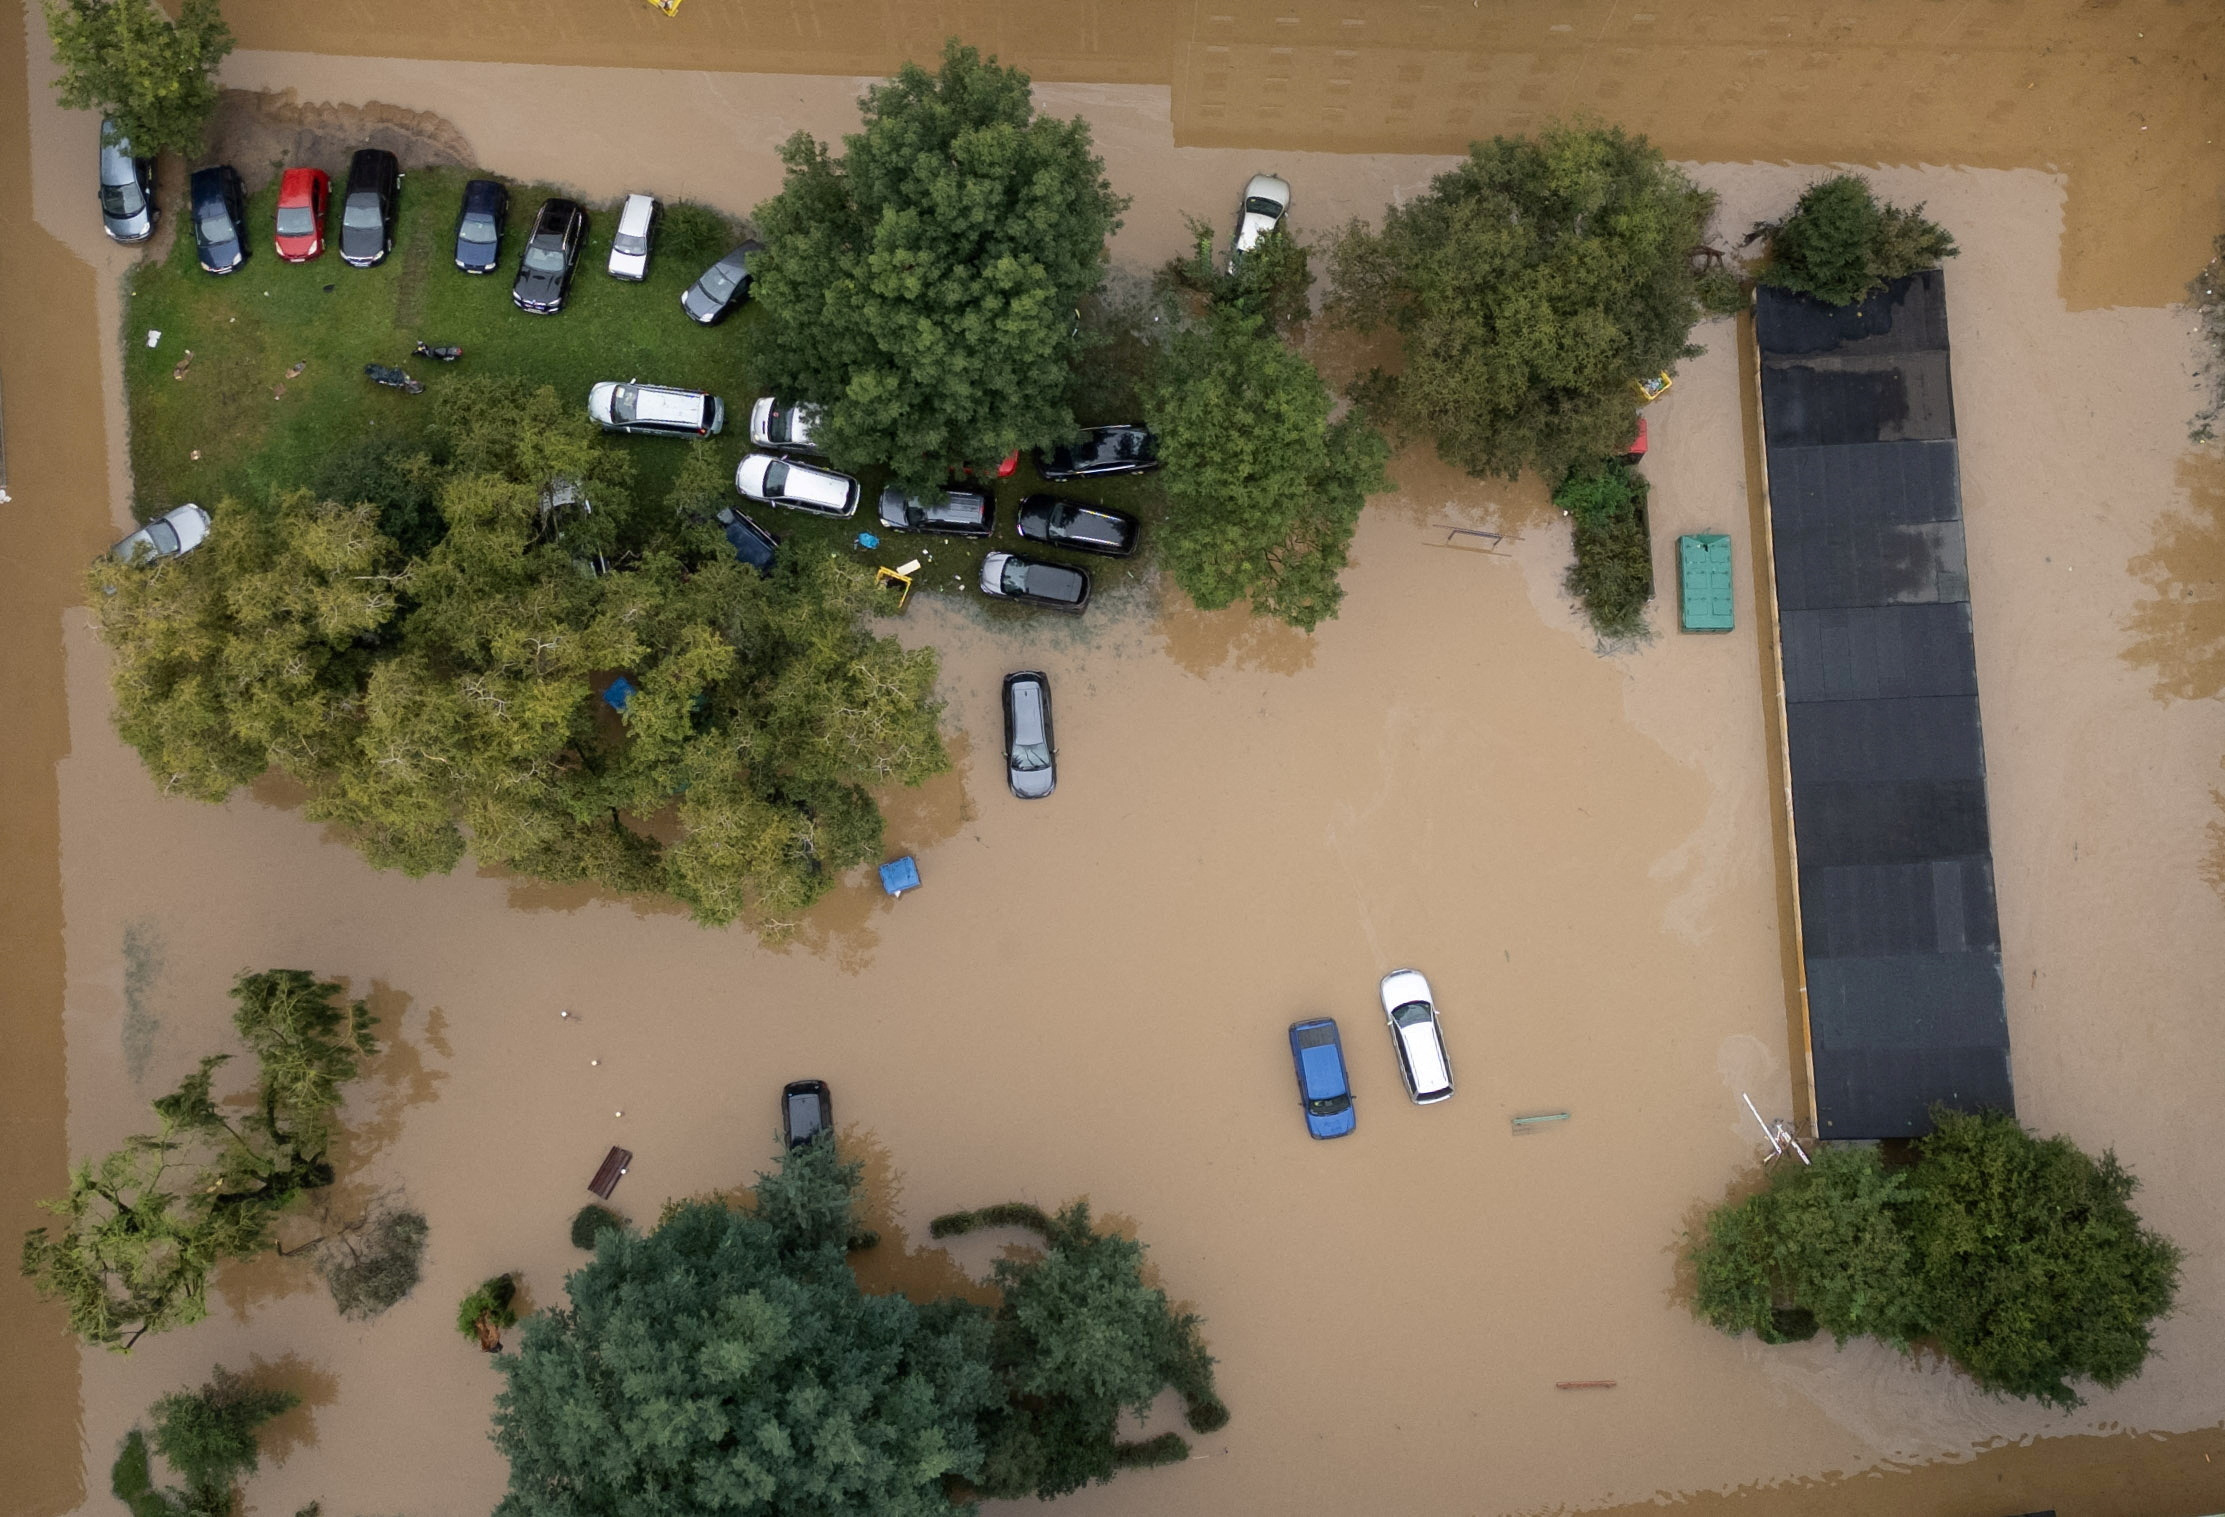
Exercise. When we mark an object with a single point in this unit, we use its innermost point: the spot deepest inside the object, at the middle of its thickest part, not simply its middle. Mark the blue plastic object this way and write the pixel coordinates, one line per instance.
(868, 540)
(900, 875)
(621, 691)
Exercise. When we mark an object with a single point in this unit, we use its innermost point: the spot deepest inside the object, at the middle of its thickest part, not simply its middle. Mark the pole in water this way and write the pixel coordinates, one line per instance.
(1583, 1385)
(1532, 1123)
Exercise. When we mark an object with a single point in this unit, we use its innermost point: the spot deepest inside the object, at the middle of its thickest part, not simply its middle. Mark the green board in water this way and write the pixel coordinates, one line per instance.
(1704, 581)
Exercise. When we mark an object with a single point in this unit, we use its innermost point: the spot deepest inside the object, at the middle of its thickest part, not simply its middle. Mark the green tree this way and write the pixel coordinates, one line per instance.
(1841, 242)
(728, 1360)
(921, 285)
(1613, 570)
(487, 1310)
(154, 77)
(1265, 489)
(2021, 1257)
(209, 1437)
(1532, 285)
(447, 699)
(144, 1225)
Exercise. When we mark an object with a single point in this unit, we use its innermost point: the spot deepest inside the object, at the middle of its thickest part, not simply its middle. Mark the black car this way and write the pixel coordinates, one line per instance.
(1078, 524)
(1030, 751)
(545, 272)
(1125, 449)
(752, 544)
(1011, 577)
(806, 1110)
(367, 215)
(479, 226)
(724, 285)
(960, 513)
(219, 217)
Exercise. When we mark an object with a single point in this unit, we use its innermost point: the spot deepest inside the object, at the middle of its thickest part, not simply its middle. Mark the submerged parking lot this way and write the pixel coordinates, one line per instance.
(1087, 996)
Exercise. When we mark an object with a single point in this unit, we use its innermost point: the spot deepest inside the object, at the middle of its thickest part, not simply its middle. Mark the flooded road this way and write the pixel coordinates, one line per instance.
(1087, 997)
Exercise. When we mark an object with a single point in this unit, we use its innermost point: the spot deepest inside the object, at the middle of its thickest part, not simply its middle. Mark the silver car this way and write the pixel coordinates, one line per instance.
(629, 245)
(1030, 750)
(171, 535)
(781, 481)
(127, 207)
(1412, 1013)
(1266, 202)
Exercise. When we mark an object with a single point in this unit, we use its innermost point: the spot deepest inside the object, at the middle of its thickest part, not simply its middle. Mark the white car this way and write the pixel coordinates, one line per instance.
(655, 410)
(781, 481)
(629, 246)
(1412, 1012)
(1266, 202)
(172, 535)
(773, 425)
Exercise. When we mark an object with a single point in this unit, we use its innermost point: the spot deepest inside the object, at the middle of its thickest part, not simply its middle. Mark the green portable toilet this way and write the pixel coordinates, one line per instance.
(1704, 581)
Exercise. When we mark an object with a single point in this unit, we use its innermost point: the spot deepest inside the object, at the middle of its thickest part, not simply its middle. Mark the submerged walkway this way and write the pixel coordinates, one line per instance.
(1892, 854)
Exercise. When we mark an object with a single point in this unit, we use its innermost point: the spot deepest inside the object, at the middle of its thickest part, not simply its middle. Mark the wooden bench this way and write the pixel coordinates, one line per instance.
(614, 1168)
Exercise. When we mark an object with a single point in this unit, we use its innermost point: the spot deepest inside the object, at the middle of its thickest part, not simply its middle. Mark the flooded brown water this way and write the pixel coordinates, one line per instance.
(1088, 995)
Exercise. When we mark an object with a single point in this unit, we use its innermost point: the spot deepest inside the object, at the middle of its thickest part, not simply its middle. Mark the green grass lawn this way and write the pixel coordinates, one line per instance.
(246, 329)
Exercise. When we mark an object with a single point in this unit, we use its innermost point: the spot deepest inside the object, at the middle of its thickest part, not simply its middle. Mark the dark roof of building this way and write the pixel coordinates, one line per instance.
(1899, 928)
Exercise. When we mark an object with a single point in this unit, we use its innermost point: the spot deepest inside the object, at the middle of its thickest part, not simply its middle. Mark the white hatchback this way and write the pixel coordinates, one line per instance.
(1266, 202)
(1412, 1013)
(629, 245)
(171, 535)
(784, 482)
(789, 427)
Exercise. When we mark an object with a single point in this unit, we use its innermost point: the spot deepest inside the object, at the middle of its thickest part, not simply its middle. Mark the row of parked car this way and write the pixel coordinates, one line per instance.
(1325, 1084)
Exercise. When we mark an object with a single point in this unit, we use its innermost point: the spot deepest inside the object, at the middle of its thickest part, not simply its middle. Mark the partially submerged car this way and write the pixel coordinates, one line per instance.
(1266, 202)
(304, 195)
(1011, 577)
(479, 226)
(1081, 525)
(1324, 1086)
(752, 544)
(721, 287)
(1122, 449)
(959, 513)
(545, 268)
(219, 217)
(629, 245)
(1030, 753)
(655, 410)
(806, 1111)
(127, 188)
(1412, 1013)
(367, 215)
(789, 428)
(783, 482)
(172, 535)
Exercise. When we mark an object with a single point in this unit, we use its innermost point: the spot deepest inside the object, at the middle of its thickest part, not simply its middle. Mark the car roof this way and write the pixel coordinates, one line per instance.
(634, 215)
(1425, 1056)
(1323, 1065)
(371, 160)
(657, 403)
(1267, 187)
(210, 180)
(817, 484)
(480, 191)
(297, 178)
(557, 210)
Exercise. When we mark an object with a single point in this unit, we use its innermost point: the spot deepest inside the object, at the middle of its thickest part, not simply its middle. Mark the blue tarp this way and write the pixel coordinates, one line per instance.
(900, 875)
(621, 691)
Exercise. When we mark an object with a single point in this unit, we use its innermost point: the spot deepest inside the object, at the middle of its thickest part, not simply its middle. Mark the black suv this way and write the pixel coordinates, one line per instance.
(960, 513)
(1124, 449)
(219, 217)
(479, 226)
(1078, 524)
(367, 216)
(545, 272)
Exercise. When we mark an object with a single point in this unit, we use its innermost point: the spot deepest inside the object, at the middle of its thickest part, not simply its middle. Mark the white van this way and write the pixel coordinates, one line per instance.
(655, 410)
(1412, 1014)
(784, 482)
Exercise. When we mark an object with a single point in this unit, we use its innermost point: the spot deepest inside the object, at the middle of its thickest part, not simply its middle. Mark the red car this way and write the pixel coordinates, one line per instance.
(302, 197)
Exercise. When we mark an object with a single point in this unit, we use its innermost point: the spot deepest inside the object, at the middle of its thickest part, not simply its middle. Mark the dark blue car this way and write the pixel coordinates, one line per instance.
(219, 217)
(1323, 1087)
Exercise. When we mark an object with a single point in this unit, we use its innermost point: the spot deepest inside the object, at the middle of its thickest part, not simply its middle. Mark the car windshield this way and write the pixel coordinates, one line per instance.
(626, 242)
(1260, 205)
(362, 211)
(776, 475)
(296, 221)
(477, 228)
(718, 280)
(1030, 757)
(622, 403)
(216, 226)
(121, 199)
(1015, 577)
(1411, 1013)
(1335, 1106)
(543, 258)
(163, 536)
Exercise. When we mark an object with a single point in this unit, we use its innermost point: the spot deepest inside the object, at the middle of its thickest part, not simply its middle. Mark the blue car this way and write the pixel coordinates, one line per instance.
(1323, 1087)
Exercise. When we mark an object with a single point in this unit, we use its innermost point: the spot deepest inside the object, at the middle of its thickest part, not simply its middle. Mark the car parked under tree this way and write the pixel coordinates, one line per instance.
(1081, 525)
(1121, 449)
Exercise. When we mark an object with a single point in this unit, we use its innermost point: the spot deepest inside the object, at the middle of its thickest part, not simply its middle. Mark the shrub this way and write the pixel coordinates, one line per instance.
(1004, 1214)
(1841, 242)
(696, 234)
(1613, 572)
(209, 1437)
(370, 1274)
(590, 1221)
(1167, 1448)
(484, 1313)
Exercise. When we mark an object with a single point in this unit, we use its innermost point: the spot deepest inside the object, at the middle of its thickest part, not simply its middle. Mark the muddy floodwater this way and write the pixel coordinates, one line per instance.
(1582, 848)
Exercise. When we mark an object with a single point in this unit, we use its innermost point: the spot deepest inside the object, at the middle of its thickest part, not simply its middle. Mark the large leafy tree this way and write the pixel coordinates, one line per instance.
(728, 1361)
(1264, 488)
(445, 696)
(154, 77)
(210, 1437)
(2021, 1257)
(1841, 242)
(1531, 286)
(921, 284)
(143, 1226)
